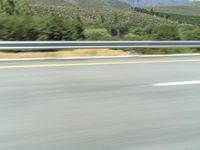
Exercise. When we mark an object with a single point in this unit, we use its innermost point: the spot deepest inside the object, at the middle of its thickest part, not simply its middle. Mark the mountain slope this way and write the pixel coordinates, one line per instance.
(195, 3)
(149, 3)
(111, 3)
(91, 11)
(114, 4)
(192, 9)
(181, 10)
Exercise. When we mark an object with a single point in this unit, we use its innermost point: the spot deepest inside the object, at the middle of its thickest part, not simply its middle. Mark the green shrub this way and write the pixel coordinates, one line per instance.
(134, 37)
(13, 7)
(97, 34)
(167, 51)
(193, 34)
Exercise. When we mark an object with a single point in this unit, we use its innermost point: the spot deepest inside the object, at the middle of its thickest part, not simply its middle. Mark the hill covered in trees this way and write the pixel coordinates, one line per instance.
(152, 3)
(192, 9)
(109, 4)
(21, 21)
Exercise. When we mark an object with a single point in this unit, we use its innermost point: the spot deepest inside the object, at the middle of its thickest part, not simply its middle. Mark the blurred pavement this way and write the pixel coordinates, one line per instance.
(102, 106)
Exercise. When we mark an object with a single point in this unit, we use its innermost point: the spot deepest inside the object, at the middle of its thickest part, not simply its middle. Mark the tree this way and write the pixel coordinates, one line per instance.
(118, 29)
(13, 7)
(23, 8)
(102, 19)
(166, 32)
(116, 17)
(24, 27)
(8, 7)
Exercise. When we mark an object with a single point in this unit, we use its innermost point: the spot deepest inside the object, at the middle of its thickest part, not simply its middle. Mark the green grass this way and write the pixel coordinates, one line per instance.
(167, 51)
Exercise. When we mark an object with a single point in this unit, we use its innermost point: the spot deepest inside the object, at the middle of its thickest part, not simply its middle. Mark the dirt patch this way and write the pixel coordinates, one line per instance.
(63, 53)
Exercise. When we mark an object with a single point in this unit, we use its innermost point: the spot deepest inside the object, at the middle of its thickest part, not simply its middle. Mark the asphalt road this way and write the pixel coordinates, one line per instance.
(100, 104)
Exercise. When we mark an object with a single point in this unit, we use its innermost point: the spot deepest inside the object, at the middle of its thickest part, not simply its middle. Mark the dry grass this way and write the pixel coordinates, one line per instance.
(63, 53)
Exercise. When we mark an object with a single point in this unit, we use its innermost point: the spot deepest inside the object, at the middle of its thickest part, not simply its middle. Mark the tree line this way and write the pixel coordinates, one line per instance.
(17, 22)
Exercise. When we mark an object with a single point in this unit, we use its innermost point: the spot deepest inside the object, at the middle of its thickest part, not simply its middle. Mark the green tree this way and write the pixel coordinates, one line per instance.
(118, 29)
(56, 28)
(116, 17)
(23, 8)
(8, 7)
(13, 7)
(102, 19)
(166, 32)
(25, 27)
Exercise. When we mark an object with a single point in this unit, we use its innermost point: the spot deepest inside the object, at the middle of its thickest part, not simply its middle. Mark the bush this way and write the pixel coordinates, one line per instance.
(13, 7)
(134, 37)
(167, 51)
(97, 34)
(193, 34)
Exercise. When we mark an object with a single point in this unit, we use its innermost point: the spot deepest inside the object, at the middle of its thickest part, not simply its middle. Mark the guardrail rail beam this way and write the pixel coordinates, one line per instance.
(45, 45)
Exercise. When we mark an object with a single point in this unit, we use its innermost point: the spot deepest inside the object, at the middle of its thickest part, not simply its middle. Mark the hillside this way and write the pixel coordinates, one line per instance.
(195, 3)
(190, 10)
(109, 4)
(152, 3)
(91, 11)
(94, 15)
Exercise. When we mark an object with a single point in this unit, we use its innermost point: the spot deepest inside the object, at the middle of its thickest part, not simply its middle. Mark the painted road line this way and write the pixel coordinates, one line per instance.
(94, 64)
(67, 58)
(98, 57)
(177, 83)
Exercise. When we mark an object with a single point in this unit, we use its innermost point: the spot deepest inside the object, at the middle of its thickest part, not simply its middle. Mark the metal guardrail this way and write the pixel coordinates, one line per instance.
(44, 45)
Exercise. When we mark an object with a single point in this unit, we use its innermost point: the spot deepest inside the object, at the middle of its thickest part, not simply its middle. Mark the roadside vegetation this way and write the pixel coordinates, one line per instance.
(64, 53)
(21, 21)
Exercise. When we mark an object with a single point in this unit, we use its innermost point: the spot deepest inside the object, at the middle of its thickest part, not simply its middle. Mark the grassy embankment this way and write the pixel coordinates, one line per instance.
(93, 52)
(62, 53)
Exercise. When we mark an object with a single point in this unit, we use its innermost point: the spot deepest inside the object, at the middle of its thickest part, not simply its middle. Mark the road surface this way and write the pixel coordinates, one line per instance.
(100, 104)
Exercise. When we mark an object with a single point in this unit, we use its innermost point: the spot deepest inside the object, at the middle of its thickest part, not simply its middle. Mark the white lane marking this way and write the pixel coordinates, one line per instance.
(94, 64)
(177, 83)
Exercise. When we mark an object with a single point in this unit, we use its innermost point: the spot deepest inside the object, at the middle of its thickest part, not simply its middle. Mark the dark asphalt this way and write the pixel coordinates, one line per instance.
(100, 107)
